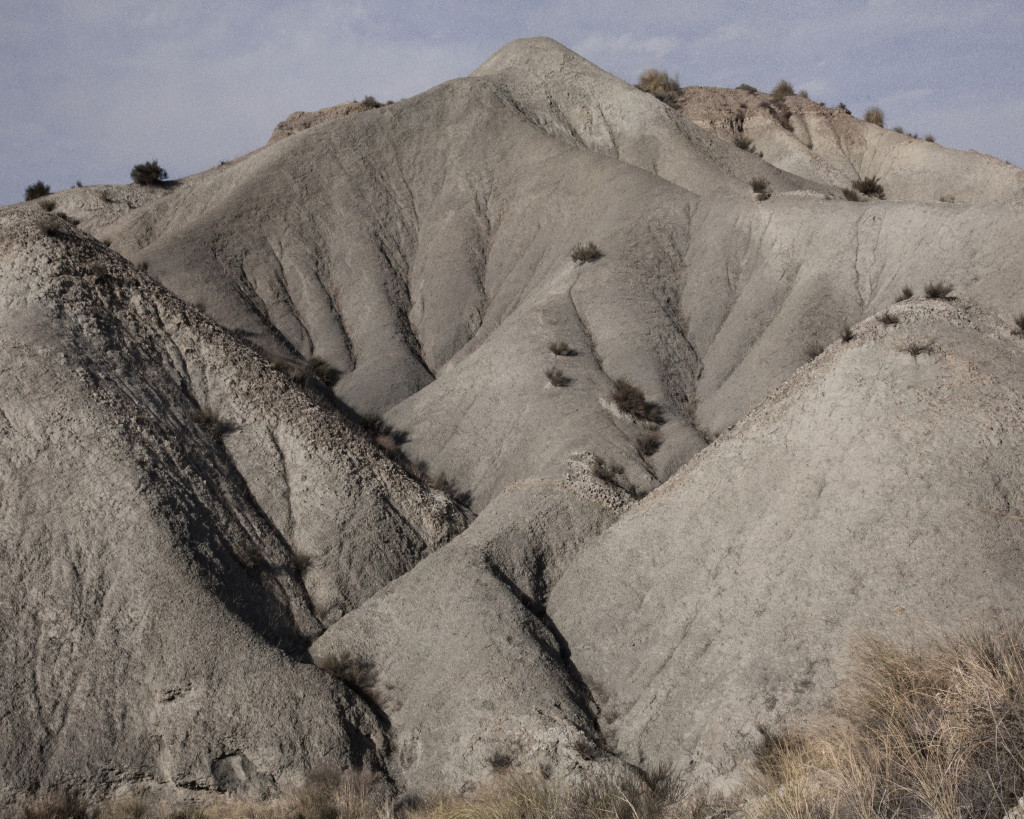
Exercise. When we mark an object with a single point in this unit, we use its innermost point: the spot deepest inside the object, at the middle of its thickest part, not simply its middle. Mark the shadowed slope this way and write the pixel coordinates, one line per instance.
(154, 616)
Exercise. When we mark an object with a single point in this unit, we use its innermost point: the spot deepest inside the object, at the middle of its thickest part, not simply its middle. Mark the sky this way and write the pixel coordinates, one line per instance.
(92, 87)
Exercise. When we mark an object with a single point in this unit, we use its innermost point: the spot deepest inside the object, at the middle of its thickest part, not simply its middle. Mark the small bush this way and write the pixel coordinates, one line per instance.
(631, 400)
(322, 371)
(647, 443)
(870, 186)
(898, 129)
(875, 116)
(759, 184)
(148, 173)
(605, 470)
(915, 348)
(938, 290)
(813, 350)
(61, 805)
(782, 90)
(805, 93)
(48, 205)
(37, 190)
(745, 87)
(584, 253)
(948, 198)
(1019, 321)
(369, 102)
(763, 196)
(215, 426)
(356, 673)
(929, 138)
(888, 319)
(742, 142)
(658, 83)
(851, 194)
(556, 377)
(905, 293)
(846, 334)
(842, 107)
(500, 760)
(561, 348)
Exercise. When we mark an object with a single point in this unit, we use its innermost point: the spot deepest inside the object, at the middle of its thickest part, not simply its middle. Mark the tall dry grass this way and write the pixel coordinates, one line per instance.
(928, 729)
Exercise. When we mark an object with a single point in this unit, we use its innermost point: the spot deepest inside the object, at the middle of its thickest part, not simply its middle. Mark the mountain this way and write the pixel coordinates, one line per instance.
(345, 450)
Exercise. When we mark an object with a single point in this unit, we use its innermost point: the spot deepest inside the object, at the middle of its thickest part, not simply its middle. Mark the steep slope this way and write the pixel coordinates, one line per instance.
(472, 673)
(877, 488)
(156, 622)
(423, 249)
(832, 147)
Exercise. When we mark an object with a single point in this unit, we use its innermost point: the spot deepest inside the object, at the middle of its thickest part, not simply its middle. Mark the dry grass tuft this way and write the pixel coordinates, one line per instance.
(631, 400)
(658, 83)
(875, 116)
(584, 253)
(919, 730)
(938, 290)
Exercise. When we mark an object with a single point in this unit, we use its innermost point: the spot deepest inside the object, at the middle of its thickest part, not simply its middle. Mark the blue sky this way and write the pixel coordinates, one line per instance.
(89, 88)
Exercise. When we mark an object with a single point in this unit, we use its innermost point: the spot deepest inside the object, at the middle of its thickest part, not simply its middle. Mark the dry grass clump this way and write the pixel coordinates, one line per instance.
(631, 400)
(357, 673)
(938, 290)
(659, 83)
(65, 804)
(851, 194)
(556, 377)
(215, 426)
(561, 348)
(905, 293)
(1018, 322)
(584, 253)
(782, 90)
(870, 186)
(647, 443)
(636, 795)
(933, 729)
(742, 142)
(875, 116)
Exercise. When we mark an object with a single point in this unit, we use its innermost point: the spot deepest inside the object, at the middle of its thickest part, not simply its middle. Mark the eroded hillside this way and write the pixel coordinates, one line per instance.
(700, 457)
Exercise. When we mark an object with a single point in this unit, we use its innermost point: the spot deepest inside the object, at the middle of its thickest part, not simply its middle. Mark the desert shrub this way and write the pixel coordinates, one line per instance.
(358, 674)
(53, 230)
(742, 142)
(561, 348)
(842, 107)
(915, 348)
(556, 377)
(322, 371)
(745, 87)
(898, 129)
(658, 83)
(48, 205)
(870, 186)
(631, 400)
(851, 194)
(938, 290)
(763, 196)
(215, 426)
(148, 173)
(330, 792)
(66, 804)
(813, 350)
(875, 116)
(370, 102)
(500, 760)
(1019, 322)
(584, 253)
(805, 93)
(36, 190)
(647, 443)
(919, 729)
(782, 90)
(905, 293)
(929, 138)
(846, 334)
(759, 184)
(888, 319)
(606, 471)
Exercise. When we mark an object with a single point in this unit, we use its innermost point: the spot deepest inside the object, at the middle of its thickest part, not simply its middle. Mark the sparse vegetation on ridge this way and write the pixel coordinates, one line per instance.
(938, 290)
(36, 190)
(875, 116)
(905, 293)
(782, 90)
(888, 319)
(746, 87)
(556, 377)
(658, 83)
(148, 173)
